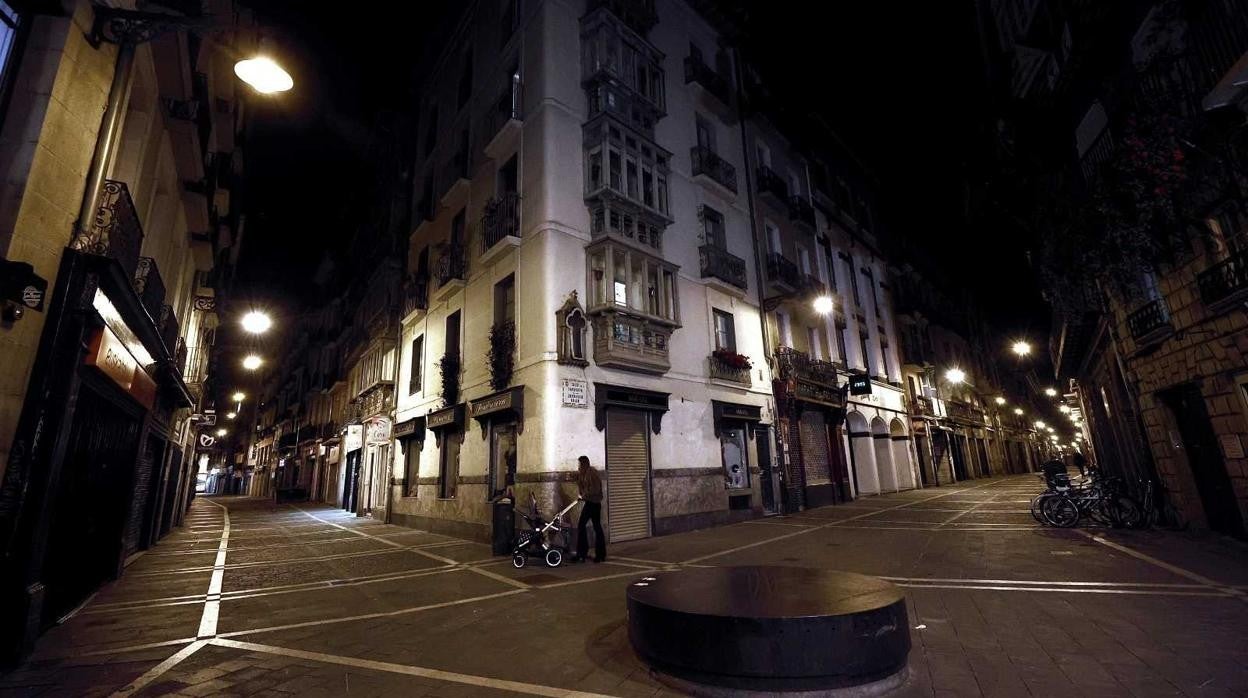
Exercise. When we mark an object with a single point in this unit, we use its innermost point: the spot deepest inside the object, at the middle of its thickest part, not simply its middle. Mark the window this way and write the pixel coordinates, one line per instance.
(630, 279)
(713, 228)
(411, 467)
(816, 347)
(841, 332)
(457, 229)
(732, 447)
(505, 300)
(786, 328)
(829, 261)
(803, 260)
(725, 331)
(773, 238)
(448, 464)
(853, 276)
(764, 154)
(452, 334)
(418, 350)
(866, 351)
(706, 133)
(464, 91)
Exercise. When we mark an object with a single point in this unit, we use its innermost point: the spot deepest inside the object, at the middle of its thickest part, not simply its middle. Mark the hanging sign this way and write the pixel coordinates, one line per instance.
(859, 384)
(18, 282)
(377, 430)
(355, 437)
(207, 441)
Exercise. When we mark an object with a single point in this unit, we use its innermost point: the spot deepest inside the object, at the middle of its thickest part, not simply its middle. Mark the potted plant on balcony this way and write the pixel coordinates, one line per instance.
(502, 354)
(734, 366)
(449, 367)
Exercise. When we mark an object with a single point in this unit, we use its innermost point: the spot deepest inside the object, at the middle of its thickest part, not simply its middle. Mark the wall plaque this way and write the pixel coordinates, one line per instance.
(575, 392)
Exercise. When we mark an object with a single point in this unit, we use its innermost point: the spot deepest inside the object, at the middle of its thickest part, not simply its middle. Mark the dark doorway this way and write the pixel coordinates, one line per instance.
(925, 461)
(1204, 457)
(351, 483)
(92, 504)
(957, 455)
(839, 468)
(766, 472)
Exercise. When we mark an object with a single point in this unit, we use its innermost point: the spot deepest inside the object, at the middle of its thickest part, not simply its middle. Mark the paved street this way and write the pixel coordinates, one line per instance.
(250, 599)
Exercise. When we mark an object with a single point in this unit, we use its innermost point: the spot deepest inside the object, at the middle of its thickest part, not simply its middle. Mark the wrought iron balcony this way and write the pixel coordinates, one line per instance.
(1225, 280)
(452, 265)
(798, 365)
(149, 286)
(697, 71)
(454, 173)
(116, 231)
(718, 263)
(964, 411)
(501, 219)
(167, 323)
(920, 405)
(706, 162)
(1150, 321)
(812, 285)
(770, 184)
(722, 368)
(800, 211)
(783, 272)
(415, 296)
(501, 123)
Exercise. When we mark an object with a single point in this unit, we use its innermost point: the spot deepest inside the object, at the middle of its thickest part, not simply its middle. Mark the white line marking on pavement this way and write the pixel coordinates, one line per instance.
(212, 602)
(77, 652)
(1042, 583)
(1068, 590)
(500, 578)
(1165, 565)
(155, 672)
(422, 672)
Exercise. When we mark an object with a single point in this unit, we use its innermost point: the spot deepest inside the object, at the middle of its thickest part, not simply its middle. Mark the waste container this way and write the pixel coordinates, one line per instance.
(504, 533)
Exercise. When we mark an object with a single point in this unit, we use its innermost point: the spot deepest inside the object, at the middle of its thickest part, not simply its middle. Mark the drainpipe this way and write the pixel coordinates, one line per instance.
(109, 135)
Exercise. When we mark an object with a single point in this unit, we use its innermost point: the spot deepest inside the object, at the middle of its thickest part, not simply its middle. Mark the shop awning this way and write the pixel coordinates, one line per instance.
(722, 412)
(503, 404)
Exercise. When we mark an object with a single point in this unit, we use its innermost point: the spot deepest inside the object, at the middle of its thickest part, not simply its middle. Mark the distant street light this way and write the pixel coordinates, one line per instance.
(238, 397)
(264, 75)
(231, 415)
(1018, 411)
(999, 400)
(252, 362)
(955, 375)
(221, 432)
(1039, 424)
(823, 305)
(1050, 392)
(1021, 348)
(257, 322)
(1064, 409)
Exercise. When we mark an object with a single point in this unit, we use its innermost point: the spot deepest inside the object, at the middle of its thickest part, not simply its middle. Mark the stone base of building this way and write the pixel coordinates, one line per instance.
(820, 495)
(705, 519)
(467, 530)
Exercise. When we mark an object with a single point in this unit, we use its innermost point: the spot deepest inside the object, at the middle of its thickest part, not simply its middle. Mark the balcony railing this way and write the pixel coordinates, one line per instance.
(770, 183)
(452, 265)
(812, 285)
(964, 411)
(782, 271)
(800, 211)
(696, 70)
(721, 369)
(169, 329)
(1224, 280)
(501, 121)
(1149, 320)
(501, 219)
(718, 263)
(116, 231)
(707, 162)
(149, 286)
(920, 405)
(415, 296)
(798, 365)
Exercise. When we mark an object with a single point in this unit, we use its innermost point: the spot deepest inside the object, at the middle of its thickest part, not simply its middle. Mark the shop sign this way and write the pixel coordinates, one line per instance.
(20, 283)
(109, 354)
(1232, 447)
(859, 385)
(507, 401)
(445, 417)
(377, 430)
(575, 392)
(207, 441)
(355, 437)
(409, 428)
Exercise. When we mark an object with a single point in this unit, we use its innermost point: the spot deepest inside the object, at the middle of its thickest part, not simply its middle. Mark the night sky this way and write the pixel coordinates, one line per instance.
(906, 91)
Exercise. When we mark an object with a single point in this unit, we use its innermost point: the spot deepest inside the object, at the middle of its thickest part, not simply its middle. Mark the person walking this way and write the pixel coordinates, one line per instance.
(1081, 463)
(589, 484)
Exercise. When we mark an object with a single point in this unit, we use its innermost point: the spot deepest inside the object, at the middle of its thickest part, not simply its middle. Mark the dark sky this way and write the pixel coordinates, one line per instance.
(905, 90)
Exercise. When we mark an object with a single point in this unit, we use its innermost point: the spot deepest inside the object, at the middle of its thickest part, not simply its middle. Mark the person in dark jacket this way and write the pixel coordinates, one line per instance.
(1081, 463)
(589, 484)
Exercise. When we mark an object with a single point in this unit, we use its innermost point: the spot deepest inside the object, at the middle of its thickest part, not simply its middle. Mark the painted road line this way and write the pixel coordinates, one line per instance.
(286, 561)
(212, 602)
(407, 670)
(500, 578)
(1237, 593)
(1068, 590)
(157, 671)
(959, 580)
(123, 649)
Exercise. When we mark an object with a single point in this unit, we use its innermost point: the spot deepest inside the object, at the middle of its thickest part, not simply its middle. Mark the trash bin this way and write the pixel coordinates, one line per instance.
(504, 533)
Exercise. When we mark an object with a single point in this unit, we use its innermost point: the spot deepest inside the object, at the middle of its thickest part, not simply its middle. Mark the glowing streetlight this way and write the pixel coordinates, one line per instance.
(999, 400)
(252, 362)
(1051, 392)
(257, 322)
(1021, 348)
(955, 375)
(1018, 411)
(1064, 409)
(1050, 429)
(238, 397)
(231, 415)
(264, 75)
(823, 305)
(1039, 424)
(221, 432)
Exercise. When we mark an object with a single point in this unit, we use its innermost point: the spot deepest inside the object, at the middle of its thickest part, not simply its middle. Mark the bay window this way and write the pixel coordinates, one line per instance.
(627, 279)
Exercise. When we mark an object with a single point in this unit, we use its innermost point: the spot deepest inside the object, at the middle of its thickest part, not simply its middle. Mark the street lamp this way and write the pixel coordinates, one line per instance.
(1039, 424)
(1064, 409)
(999, 400)
(221, 432)
(1050, 392)
(264, 75)
(1021, 348)
(1018, 411)
(252, 362)
(256, 322)
(238, 397)
(823, 305)
(955, 375)
(231, 415)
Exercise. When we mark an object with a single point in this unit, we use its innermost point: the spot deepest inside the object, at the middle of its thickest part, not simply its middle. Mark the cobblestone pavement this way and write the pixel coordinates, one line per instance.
(253, 599)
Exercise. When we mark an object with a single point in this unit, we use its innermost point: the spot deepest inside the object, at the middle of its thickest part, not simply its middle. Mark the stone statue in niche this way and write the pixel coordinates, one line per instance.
(571, 325)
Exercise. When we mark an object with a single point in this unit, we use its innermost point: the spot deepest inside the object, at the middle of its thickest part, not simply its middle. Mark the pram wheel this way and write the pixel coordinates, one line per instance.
(518, 560)
(554, 557)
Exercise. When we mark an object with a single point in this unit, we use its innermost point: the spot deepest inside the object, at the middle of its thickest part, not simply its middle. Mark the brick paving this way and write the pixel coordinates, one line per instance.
(313, 601)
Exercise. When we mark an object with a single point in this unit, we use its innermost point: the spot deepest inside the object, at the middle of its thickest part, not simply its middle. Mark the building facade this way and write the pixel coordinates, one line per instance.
(130, 222)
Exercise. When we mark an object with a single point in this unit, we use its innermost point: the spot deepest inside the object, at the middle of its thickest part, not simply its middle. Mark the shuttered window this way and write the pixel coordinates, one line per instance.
(628, 475)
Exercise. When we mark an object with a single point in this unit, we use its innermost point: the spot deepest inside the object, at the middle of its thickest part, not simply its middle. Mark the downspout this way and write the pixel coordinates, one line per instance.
(106, 141)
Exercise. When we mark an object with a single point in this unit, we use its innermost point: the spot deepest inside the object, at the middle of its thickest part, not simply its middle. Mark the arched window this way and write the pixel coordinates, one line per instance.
(571, 324)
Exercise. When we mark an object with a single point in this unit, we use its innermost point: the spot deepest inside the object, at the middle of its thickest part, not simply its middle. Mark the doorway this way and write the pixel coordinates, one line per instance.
(1204, 457)
(767, 481)
(502, 457)
(628, 475)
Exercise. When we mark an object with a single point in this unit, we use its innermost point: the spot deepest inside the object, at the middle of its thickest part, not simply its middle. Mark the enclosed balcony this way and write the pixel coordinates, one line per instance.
(631, 343)
(639, 15)
(1150, 323)
(710, 168)
(723, 270)
(503, 121)
(698, 73)
(783, 273)
(1225, 283)
(500, 226)
(772, 186)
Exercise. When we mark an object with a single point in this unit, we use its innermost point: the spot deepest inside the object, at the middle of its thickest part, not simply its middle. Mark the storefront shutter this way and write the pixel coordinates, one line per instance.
(628, 475)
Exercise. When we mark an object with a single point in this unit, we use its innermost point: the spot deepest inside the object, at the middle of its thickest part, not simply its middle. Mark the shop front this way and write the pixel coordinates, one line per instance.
(376, 468)
(811, 410)
(501, 418)
(628, 416)
(353, 445)
(738, 428)
(409, 441)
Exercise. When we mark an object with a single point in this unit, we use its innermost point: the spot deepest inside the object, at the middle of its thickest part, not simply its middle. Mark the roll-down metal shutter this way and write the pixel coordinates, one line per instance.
(628, 475)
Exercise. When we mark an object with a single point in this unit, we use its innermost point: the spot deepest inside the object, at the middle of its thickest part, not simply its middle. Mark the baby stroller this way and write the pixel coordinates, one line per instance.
(544, 539)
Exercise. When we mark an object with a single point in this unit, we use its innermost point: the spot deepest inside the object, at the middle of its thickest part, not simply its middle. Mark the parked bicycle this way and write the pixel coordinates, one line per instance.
(1102, 499)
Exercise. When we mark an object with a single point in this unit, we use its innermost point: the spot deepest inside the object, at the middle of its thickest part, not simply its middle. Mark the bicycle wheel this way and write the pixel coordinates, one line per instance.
(1060, 511)
(1128, 512)
(1036, 504)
